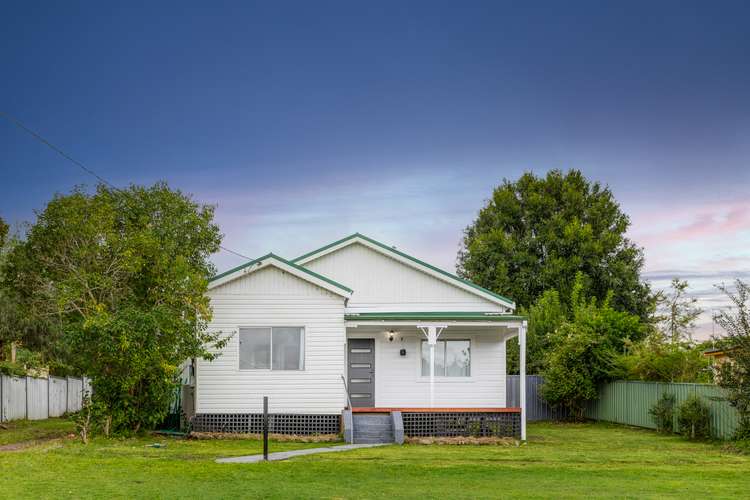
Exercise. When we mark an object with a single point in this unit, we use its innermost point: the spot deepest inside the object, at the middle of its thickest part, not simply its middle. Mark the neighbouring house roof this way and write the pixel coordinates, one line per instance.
(285, 265)
(718, 352)
(430, 315)
(406, 259)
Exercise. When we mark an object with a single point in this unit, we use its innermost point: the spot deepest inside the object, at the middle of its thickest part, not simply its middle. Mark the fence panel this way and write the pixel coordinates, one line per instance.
(75, 393)
(628, 402)
(14, 398)
(37, 398)
(57, 396)
(536, 407)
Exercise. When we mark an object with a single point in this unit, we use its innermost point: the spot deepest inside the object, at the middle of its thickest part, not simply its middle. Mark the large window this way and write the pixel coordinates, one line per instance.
(277, 348)
(452, 358)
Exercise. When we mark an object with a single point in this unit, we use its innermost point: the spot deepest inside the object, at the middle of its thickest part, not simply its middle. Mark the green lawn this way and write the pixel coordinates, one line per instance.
(560, 460)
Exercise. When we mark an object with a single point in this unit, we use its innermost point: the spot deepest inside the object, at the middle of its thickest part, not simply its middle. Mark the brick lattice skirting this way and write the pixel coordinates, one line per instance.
(479, 424)
(278, 423)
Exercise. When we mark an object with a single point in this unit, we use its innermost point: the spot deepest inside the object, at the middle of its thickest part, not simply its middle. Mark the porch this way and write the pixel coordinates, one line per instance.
(442, 374)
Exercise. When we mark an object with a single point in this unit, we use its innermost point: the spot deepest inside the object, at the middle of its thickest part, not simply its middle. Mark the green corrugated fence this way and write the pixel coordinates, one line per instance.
(628, 402)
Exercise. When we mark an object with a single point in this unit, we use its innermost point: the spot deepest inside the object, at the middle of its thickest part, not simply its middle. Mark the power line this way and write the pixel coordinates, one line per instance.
(15, 121)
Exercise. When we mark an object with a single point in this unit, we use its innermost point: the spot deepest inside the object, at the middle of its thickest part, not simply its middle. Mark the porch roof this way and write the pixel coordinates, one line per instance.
(433, 316)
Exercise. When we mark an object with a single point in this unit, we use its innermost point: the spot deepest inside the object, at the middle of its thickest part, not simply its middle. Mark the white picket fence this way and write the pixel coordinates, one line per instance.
(39, 398)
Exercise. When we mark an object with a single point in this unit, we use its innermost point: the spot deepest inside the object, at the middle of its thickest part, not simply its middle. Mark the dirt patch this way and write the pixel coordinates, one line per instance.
(495, 441)
(26, 444)
(316, 438)
(20, 445)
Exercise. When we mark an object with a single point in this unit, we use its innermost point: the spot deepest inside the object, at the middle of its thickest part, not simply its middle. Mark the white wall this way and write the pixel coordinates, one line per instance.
(271, 297)
(381, 283)
(398, 380)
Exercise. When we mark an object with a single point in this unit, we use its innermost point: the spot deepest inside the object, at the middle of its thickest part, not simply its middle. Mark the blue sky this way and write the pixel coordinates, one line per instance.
(307, 121)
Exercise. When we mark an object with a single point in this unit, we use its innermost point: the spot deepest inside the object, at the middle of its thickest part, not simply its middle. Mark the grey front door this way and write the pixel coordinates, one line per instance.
(361, 357)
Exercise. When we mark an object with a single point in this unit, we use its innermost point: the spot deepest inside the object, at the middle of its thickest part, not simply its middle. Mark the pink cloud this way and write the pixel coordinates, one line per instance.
(683, 225)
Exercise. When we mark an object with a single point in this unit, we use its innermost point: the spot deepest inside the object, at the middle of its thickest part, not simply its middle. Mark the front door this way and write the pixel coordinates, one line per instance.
(362, 372)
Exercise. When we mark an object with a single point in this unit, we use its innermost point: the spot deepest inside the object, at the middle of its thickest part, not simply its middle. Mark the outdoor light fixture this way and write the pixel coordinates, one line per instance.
(391, 335)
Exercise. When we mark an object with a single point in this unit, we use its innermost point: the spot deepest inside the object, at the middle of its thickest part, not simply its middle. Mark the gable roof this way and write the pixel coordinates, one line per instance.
(408, 260)
(285, 265)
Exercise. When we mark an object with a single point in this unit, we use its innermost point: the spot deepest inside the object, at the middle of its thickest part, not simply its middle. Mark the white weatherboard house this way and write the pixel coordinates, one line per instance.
(360, 329)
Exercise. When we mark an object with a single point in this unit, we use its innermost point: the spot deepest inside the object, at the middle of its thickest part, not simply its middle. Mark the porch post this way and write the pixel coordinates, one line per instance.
(522, 377)
(432, 340)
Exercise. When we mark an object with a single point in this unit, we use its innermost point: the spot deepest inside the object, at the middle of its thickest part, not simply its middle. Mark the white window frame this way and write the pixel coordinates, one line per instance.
(303, 341)
(448, 378)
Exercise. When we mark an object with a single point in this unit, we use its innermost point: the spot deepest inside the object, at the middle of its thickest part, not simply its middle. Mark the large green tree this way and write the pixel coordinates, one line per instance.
(537, 233)
(125, 273)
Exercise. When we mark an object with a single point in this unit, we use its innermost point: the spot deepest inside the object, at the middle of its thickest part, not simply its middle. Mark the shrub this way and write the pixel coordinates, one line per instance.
(693, 418)
(662, 413)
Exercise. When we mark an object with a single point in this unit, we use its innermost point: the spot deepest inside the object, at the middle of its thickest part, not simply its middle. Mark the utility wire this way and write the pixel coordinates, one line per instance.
(15, 121)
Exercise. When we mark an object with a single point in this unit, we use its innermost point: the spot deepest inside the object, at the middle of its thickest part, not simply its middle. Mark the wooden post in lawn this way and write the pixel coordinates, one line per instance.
(265, 428)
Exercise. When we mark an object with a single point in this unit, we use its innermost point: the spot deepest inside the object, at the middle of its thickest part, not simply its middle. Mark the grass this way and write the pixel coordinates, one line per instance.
(560, 461)
(20, 431)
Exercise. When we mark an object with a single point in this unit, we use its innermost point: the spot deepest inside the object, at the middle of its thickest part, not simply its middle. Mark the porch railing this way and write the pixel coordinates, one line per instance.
(346, 390)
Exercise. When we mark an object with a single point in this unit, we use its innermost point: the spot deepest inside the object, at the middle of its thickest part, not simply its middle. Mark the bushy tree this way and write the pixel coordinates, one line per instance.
(584, 351)
(734, 375)
(537, 233)
(124, 272)
(657, 360)
(579, 361)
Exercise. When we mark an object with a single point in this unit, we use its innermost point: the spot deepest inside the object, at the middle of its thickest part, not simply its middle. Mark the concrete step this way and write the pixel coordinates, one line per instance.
(374, 439)
(371, 440)
(373, 431)
(373, 426)
(372, 419)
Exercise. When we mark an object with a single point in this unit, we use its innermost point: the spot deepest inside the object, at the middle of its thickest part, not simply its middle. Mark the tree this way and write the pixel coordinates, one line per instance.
(657, 360)
(580, 360)
(734, 375)
(584, 350)
(124, 272)
(19, 325)
(677, 313)
(537, 233)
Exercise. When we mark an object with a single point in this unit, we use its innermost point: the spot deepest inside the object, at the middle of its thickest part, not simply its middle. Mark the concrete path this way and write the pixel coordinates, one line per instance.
(283, 455)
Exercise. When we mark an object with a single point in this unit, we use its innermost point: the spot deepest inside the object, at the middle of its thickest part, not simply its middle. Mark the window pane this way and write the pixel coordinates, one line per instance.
(287, 349)
(439, 358)
(255, 348)
(457, 358)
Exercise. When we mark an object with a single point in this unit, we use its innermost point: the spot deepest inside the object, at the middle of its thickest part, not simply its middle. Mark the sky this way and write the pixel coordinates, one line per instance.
(304, 122)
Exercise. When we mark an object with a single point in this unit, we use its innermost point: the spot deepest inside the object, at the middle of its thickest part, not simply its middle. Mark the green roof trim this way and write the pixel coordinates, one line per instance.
(287, 262)
(406, 256)
(420, 316)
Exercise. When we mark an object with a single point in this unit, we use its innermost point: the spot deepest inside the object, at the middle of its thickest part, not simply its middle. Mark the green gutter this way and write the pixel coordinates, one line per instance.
(406, 256)
(287, 262)
(420, 316)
